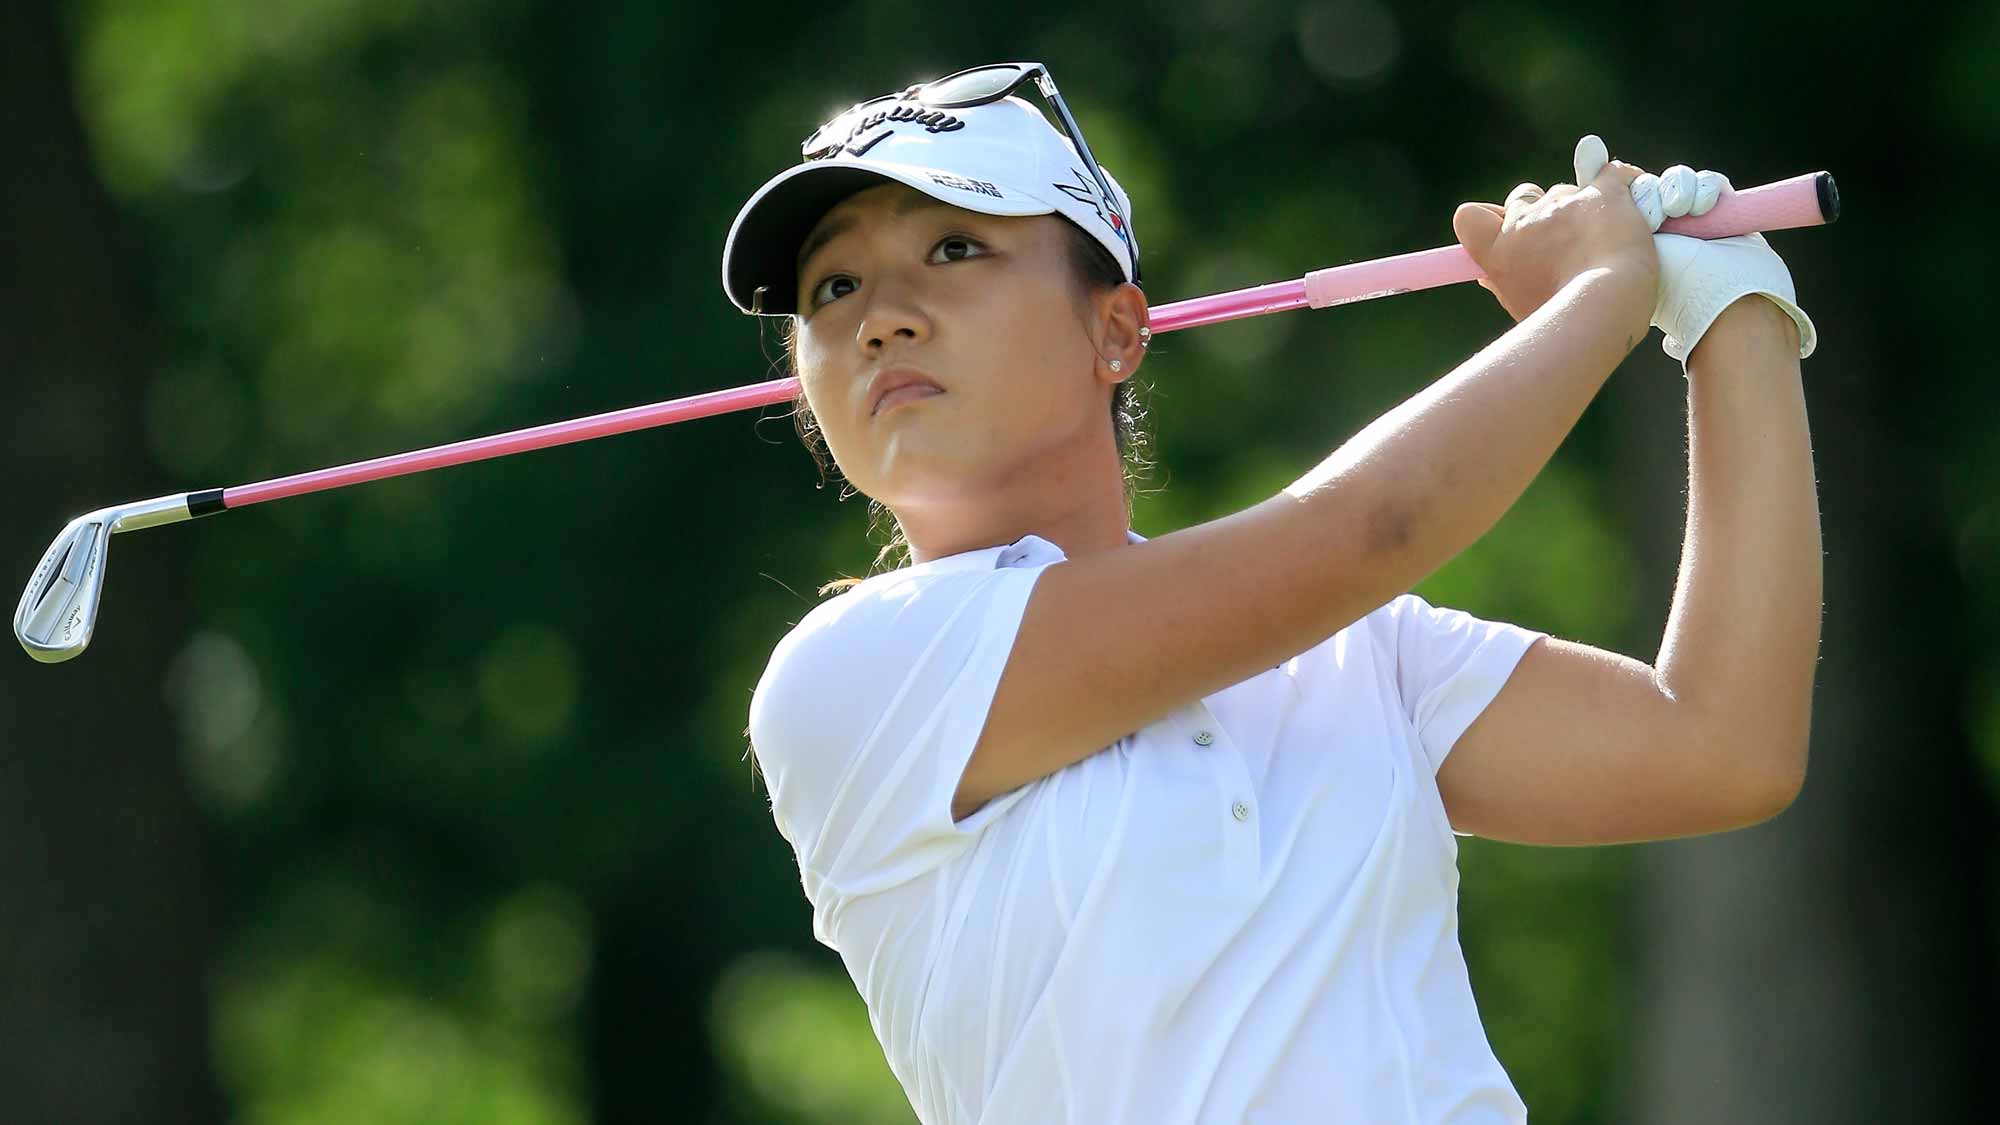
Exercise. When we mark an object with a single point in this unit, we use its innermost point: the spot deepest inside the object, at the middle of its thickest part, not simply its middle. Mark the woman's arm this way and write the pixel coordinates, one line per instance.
(1742, 641)
(1589, 747)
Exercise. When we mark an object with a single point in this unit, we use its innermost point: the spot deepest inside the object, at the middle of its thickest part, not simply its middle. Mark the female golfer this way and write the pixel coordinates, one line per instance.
(1119, 830)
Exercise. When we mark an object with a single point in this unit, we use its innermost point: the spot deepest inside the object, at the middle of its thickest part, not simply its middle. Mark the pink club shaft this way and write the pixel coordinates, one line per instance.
(1802, 201)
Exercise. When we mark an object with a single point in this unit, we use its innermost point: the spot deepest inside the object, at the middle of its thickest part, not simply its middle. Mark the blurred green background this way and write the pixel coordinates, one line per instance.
(427, 800)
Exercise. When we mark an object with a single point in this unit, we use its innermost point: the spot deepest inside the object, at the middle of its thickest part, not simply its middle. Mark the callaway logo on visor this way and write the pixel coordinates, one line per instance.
(933, 120)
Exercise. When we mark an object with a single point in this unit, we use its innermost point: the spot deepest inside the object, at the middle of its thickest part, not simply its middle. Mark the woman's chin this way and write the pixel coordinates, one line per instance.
(918, 480)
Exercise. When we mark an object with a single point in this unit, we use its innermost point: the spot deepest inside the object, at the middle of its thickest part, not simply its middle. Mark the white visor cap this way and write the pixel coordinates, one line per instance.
(1001, 158)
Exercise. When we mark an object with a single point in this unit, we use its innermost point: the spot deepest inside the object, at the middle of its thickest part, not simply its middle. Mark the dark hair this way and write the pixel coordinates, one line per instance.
(1093, 270)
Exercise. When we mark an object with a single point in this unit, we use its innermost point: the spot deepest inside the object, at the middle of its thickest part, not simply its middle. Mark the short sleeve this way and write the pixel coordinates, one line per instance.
(1449, 666)
(867, 714)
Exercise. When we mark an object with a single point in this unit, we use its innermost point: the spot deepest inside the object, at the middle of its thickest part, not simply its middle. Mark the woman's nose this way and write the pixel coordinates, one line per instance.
(893, 313)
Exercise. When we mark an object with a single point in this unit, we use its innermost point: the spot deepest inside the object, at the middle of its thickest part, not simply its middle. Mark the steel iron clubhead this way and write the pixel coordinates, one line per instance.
(58, 610)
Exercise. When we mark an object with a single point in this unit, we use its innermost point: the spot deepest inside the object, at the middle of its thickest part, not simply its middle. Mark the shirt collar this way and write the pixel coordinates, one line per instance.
(1029, 550)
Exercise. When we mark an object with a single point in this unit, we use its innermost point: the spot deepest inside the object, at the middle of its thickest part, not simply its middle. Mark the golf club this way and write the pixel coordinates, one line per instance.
(58, 609)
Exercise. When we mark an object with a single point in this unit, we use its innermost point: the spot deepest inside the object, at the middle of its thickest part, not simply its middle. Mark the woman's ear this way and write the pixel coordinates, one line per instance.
(1122, 331)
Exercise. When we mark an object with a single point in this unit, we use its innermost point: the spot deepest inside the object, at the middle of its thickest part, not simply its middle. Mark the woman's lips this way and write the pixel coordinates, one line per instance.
(905, 394)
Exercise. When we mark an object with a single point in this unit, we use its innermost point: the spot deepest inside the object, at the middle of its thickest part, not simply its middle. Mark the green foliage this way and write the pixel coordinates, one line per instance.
(798, 1039)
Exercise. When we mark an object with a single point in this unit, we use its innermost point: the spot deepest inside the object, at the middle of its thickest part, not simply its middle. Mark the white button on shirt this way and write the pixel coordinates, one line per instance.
(1244, 912)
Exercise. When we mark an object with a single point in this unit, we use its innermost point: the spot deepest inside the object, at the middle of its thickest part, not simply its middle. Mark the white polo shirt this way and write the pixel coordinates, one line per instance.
(1244, 912)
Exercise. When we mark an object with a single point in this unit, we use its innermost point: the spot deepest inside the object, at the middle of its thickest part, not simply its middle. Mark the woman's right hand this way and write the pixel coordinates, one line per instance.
(1538, 241)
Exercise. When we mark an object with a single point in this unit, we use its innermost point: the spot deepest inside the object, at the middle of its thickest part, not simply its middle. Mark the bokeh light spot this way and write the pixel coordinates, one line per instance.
(214, 687)
(538, 948)
(528, 683)
(1350, 43)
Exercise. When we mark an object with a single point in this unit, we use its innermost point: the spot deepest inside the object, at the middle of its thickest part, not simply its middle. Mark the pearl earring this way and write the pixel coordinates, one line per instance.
(1117, 365)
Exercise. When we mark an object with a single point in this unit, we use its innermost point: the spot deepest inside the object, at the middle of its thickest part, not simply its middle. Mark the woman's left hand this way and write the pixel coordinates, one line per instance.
(1699, 278)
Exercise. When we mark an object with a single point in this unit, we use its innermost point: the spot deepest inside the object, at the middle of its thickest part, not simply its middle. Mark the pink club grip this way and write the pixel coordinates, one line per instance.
(1802, 201)
(1808, 200)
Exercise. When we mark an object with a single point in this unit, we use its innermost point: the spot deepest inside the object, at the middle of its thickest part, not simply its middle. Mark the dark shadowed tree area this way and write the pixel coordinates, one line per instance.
(105, 934)
(427, 800)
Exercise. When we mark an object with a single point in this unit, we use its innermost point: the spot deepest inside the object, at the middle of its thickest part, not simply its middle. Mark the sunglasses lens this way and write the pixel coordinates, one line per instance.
(973, 85)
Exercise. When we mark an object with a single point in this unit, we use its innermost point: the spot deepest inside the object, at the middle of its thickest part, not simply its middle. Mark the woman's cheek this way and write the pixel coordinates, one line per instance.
(814, 376)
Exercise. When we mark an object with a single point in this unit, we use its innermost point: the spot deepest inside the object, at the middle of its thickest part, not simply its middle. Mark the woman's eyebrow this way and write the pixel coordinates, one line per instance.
(915, 201)
(820, 237)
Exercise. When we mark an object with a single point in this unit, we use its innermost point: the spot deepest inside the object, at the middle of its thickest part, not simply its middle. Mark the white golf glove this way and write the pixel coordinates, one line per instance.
(1699, 277)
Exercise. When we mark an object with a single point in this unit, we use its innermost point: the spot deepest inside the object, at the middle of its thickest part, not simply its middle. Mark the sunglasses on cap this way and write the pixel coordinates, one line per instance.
(978, 85)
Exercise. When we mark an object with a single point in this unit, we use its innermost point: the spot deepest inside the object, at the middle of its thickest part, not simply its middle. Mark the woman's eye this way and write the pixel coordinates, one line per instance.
(955, 248)
(839, 285)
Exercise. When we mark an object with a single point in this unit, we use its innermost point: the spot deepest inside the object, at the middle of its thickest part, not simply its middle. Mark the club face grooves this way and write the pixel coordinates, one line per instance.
(45, 575)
